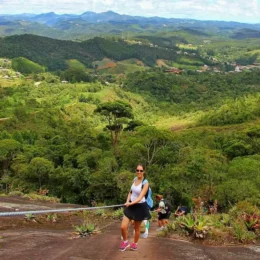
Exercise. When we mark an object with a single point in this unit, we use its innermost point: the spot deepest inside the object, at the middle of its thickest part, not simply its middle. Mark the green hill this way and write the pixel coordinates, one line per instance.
(53, 54)
(197, 135)
(245, 34)
(26, 66)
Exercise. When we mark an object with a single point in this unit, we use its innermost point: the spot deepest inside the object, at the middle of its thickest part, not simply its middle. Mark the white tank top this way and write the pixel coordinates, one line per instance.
(136, 190)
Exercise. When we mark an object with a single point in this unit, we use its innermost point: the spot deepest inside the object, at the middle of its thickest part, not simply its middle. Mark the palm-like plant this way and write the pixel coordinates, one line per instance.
(85, 229)
(186, 222)
(201, 227)
(197, 226)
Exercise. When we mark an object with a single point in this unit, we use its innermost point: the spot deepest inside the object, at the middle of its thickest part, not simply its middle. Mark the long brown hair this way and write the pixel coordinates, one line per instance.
(159, 197)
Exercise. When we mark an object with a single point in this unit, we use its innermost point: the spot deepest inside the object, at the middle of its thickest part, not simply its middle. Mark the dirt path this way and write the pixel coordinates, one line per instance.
(34, 243)
(42, 245)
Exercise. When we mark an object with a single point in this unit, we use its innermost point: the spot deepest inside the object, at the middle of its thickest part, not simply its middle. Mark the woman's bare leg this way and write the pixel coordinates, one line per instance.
(124, 227)
(160, 223)
(165, 222)
(137, 226)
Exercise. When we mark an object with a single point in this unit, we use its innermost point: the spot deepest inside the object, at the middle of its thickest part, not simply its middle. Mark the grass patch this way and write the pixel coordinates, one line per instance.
(187, 46)
(173, 122)
(10, 82)
(184, 66)
(35, 196)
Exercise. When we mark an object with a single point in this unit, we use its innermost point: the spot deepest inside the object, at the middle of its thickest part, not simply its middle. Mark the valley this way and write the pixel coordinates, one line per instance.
(84, 98)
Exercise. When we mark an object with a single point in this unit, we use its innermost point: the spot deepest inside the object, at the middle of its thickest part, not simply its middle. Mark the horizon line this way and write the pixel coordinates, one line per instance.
(147, 17)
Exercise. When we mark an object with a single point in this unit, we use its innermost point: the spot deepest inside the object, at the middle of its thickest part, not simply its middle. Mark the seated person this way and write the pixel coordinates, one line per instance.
(180, 211)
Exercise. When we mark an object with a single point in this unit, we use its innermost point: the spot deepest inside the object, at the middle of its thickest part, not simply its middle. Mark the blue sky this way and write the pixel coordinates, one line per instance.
(225, 10)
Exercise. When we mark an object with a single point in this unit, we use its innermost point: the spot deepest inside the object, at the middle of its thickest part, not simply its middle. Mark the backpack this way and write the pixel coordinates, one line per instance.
(148, 195)
(168, 206)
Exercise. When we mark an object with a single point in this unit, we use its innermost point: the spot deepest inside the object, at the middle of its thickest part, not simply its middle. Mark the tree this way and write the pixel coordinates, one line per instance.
(39, 169)
(116, 114)
(8, 150)
(133, 124)
(148, 146)
(75, 74)
(233, 191)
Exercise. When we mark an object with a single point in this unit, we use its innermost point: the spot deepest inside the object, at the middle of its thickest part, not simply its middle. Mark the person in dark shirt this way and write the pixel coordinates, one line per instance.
(180, 211)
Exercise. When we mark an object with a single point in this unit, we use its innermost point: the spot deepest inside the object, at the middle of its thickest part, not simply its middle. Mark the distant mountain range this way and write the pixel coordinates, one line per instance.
(52, 19)
(90, 24)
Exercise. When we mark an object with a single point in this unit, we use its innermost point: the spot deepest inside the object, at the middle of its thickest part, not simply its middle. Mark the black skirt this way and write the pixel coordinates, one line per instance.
(164, 216)
(138, 212)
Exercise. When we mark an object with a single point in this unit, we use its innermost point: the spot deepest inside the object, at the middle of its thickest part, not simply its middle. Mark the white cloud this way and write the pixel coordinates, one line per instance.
(146, 5)
(236, 10)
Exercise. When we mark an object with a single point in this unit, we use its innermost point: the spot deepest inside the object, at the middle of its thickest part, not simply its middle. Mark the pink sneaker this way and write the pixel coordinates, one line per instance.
(133, 246)
(124, 246)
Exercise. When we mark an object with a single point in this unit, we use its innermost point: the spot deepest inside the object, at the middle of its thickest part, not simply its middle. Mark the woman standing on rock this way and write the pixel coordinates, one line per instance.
(136, 208)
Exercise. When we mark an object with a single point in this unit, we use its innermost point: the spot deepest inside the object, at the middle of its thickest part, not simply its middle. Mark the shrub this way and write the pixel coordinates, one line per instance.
(86, 229)
(241, 233)
(118, 214)
(52, 217)
(243, 207)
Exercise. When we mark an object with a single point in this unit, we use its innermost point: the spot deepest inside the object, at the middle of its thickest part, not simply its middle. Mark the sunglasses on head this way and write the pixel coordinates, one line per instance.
(139, 170)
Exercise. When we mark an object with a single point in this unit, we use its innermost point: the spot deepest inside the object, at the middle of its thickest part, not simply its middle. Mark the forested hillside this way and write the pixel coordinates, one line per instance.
(85, 98)
(53, 53)
(77, 116)
(198, 91)
(198, 135)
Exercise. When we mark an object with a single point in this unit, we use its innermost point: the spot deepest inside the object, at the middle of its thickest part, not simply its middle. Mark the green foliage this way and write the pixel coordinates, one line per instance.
(51, 140)
(54, 54)
(234, 112)
(241, 233)
(233, 190)
(237, 148)
(199, 91)
(9, 148)
(76, 74)
(36, 196)
(236, 226)
(52, 217)
(86, 229)
(47, 77)
(187, 222)
(201, 227)
(123, 181)
(29, 216)
(246, 168)
(26, 66)
(247, 59)
(132, 125)
(76, 64)
(196, 226)
(116, 113)
(101, 213)
(39, 170)
(118, 214)
(245, 34)
(243, 207)
(220, 220)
